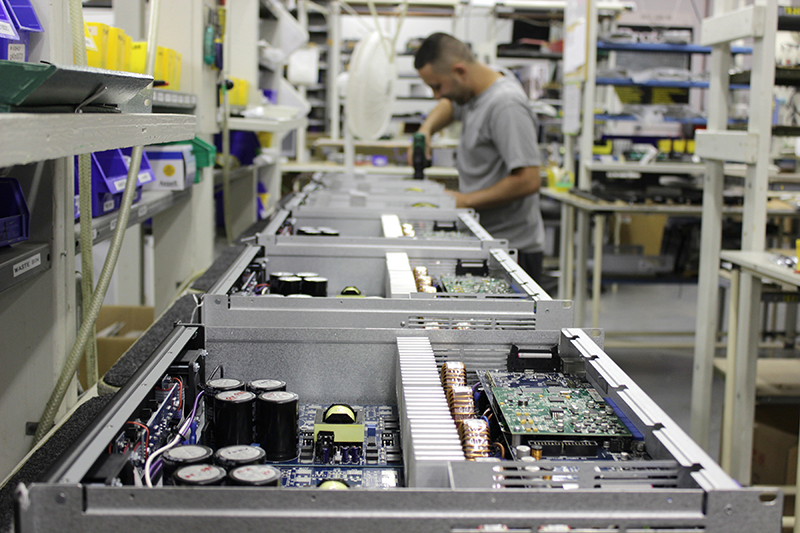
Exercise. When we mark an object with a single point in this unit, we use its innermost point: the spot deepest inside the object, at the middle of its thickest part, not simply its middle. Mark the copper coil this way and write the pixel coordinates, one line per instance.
(453, 373)
(474, 435)
(424, 281)
(420, 271)
(408, 230)
(429, 290)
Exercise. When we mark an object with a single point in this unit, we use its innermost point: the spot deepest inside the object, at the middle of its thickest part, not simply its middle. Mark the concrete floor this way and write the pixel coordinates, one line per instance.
(664, 374)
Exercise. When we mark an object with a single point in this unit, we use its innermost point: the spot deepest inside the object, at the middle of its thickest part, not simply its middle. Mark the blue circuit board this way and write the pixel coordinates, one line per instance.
(380, 448)
(367, 478)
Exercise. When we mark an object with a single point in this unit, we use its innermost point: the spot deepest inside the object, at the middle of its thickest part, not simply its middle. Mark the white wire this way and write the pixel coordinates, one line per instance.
(147, 464)
(403, 11)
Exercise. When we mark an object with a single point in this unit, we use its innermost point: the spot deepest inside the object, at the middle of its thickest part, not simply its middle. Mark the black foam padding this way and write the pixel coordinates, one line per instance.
(256, 227)
(218, 268)
(182, 310)
(45, 457)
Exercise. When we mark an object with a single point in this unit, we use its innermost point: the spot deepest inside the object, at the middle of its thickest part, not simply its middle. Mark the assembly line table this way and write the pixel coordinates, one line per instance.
(573, 262)
(742, 367)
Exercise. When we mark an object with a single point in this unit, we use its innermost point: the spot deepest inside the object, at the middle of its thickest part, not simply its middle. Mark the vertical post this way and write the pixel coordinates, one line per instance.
(599, 232)
(754, 224)
(584, 175)
(710, 244)
(302, 18)
(730, 373)
(334, 64)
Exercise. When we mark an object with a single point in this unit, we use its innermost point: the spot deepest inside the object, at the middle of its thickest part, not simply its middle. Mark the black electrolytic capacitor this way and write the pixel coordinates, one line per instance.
(329, 232)
(276, 424)
(308, 230)
(181, 456)
(212, 388)
(233, 418)
(315, 286)
(256, 476)
(290, 285)
(305, 275)
(259, 386)
(239, 455)
(274, 281)
(199, 475)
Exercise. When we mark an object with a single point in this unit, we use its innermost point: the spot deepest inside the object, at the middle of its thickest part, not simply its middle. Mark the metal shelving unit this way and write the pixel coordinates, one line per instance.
(22, 262)
(27, 137)
(151, 204)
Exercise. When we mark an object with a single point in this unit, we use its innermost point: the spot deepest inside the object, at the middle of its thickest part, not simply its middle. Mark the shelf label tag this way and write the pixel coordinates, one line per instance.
(28, 264)
(143, 211)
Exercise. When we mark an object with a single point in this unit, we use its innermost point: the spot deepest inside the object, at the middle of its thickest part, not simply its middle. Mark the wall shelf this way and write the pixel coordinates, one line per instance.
(151, 204)
(627, 82)
(274, 125)
(28, 137)
(665, 47)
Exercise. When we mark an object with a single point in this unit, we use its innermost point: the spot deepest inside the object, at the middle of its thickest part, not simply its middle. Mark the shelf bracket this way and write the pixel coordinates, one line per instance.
(736, 146)
(739, 24)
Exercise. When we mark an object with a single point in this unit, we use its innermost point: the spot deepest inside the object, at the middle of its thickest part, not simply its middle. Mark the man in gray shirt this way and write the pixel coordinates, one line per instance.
(498, 156)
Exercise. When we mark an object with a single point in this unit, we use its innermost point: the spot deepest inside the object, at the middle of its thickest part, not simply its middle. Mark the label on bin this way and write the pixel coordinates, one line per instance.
(28, 264)
(119, 185)
(7, 30)
(108, 206)
(16, 52)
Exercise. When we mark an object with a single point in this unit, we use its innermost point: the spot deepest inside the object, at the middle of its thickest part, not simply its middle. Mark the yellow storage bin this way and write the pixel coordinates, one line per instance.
(99, 33)
(138, 57)
(240, 94)
(176, 75)
(115, 55)
(126, 54)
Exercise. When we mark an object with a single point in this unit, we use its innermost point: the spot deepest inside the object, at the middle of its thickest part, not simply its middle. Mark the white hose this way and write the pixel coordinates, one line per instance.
(91, 311)
(85, 188)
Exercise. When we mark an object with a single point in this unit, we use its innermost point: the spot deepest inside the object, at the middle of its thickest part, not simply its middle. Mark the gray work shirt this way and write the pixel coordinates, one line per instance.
(498, 135)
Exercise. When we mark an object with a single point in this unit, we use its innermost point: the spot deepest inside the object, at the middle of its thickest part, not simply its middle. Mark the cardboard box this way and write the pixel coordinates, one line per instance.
(133, 321)
(174, 166)
(643, 230)
(775, 438)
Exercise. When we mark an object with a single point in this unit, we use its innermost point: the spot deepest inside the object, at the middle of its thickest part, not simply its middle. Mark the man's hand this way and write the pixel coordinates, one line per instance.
(428, 150)
(461, 200)
(521, 182)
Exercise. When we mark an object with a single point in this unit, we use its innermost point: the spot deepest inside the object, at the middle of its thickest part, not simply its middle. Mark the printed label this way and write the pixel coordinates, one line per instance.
(7, 30)
(90, 44)
(144, 177)
(108, 205)
(16, 52)
(94, 234)
(143, 211)
(119, 185)
(113, 224)
(28, 264)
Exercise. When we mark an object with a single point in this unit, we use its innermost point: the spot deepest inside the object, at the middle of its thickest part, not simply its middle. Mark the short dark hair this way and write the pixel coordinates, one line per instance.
(441, 49)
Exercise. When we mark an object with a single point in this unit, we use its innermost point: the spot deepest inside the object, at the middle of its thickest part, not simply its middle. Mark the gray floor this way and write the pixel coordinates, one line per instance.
(664, 374)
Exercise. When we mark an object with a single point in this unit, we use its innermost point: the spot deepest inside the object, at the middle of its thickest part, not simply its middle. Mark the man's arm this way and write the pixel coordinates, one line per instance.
(440, 117)
(521, 182)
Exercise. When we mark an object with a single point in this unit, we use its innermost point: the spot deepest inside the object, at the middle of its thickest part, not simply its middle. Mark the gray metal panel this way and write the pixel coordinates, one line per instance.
(21, 262)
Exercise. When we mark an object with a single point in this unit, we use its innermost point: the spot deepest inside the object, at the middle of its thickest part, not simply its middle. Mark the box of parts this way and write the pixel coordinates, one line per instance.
(174, 166)
(118, 327)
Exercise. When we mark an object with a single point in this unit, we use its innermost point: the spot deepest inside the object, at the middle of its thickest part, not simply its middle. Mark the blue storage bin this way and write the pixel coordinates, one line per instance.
(15, 219)
(146, 174)
(17, 21)
(109, 173)
(244, 146)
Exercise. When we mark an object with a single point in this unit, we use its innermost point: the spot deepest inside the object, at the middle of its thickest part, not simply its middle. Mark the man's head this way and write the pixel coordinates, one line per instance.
(444, 63)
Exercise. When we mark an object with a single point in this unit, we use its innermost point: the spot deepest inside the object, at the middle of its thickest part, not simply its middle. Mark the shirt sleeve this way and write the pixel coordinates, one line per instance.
(457, 111)
(513, 130)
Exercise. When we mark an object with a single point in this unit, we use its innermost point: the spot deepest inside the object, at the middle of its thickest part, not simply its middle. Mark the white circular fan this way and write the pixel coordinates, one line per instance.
(370, 87)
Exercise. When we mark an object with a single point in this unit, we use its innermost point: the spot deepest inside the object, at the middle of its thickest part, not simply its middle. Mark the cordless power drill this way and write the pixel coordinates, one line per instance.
(418, 158)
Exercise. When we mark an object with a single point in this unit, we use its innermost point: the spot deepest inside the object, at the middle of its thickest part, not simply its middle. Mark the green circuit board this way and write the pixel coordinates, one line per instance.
(551, 405)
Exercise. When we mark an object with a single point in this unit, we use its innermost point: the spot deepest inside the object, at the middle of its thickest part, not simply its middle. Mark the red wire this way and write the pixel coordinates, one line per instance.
(180, 382)
(147, 432)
